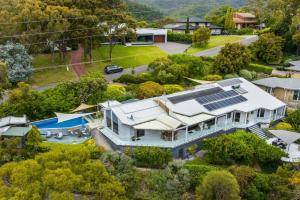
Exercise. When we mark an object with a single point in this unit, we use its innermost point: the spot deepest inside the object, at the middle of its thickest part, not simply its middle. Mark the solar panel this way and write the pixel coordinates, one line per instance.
(194, 95)
(241, 90)
(230, 82)
(215, 97)
(225, 103)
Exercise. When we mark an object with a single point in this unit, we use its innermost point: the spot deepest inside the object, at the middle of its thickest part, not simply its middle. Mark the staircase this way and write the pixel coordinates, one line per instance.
(258, 131)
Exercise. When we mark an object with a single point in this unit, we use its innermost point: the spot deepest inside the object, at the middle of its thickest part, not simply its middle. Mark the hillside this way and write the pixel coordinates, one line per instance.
(197, 8)
(144, 12)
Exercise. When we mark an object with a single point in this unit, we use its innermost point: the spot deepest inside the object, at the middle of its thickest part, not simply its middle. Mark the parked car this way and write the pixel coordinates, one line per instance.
(111, 69)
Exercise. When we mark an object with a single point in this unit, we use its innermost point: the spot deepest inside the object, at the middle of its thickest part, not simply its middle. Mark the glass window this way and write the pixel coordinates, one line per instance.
(140, 133)
(108, 118)
(229, 115)
(296, 95)
(269, 90)
(237, 117)
(115, 124)
(262, 113)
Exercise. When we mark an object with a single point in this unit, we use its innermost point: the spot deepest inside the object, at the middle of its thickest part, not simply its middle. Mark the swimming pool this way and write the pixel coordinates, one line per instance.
(54, 124)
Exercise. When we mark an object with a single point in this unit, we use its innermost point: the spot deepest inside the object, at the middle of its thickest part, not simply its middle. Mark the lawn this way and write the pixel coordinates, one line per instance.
(215, 41)
(53, 75)
(129, 56)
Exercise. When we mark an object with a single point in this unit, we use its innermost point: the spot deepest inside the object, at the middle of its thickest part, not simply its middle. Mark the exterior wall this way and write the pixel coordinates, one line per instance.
(216, 31)
(125, 132)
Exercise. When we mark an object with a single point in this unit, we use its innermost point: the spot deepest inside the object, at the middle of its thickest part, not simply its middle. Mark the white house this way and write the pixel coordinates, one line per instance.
(180, 120)
(151, 35)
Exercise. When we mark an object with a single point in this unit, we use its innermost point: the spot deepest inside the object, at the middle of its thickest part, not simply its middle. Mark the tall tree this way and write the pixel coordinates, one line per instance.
(228, 23)
(187, 26)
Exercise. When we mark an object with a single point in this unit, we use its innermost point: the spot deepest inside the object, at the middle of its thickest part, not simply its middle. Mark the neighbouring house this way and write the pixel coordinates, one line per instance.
(194, 24)
(285, 89)
(14, 127)
(180, 120)
(151, 35)
(244, 20)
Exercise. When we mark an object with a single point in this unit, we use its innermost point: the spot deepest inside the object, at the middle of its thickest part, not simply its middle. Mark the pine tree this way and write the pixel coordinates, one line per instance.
(187, 28)
(229, 23)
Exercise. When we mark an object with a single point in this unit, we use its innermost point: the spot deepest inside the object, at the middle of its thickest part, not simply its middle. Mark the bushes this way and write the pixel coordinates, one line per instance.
(172, 88)
(260, 68)
(284, 126)
(294, 120)
(247, 74)
(135, 79)
(152, 157)
(180, 37)
(212, 77)
(197, 173)
(149, 89)
(201, 36)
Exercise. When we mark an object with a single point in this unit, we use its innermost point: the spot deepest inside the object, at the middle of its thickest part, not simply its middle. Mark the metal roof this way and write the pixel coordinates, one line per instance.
(16, 131)
(274, 82)
(287, 136)
(6, 121)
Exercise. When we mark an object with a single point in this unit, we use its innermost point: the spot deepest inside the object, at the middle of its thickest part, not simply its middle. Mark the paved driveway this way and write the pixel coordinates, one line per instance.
(173, 47)
(215, 51)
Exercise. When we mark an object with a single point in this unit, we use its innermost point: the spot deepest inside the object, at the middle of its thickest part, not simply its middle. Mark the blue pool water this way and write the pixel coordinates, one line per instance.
(53, 123)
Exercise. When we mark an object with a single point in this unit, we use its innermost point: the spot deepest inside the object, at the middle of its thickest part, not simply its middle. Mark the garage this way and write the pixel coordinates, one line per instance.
(159, 39)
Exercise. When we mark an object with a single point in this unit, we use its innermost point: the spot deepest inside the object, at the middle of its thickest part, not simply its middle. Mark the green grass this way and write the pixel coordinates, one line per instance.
(129, 56)
(215, 41)
(53, 75)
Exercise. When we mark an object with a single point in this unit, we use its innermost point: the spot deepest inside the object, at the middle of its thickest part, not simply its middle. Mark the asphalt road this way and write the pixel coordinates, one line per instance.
(215, 51)
(139, 69)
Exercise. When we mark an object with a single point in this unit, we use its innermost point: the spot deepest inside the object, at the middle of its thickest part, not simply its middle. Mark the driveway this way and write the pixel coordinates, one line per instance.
(215, 51)
(173, 47)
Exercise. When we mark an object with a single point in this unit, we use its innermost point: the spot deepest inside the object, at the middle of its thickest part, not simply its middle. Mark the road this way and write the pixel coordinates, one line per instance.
(138, 70)
(215, 51)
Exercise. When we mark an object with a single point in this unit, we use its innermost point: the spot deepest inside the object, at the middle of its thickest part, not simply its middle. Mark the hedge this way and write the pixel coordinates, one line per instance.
(260, 68)
(180, 37)
(152, 157)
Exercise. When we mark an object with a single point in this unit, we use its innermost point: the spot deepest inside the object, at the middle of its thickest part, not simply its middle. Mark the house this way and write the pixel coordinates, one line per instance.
(285, 89)
(180, 120)
(244, 20)
(194, 24)
(151, 35)
(14, 127)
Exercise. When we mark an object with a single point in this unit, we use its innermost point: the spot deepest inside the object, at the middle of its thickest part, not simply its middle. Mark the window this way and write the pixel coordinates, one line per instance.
(296, 95)
(269, 90)
(237, 117)
(229, 115)
(115, 123)
(140, 133)
(108, 118)
(262, 113)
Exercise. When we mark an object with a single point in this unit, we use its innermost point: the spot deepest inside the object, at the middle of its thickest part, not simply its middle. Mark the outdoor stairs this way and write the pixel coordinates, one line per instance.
(258, 131)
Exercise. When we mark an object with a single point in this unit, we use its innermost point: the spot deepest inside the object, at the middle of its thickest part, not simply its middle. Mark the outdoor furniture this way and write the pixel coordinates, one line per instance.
(60, 135)
(167, 135)
(48, 134)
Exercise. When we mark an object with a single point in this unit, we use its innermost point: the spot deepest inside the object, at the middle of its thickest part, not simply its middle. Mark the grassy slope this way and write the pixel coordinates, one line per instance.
(54, 75)
(215, 41)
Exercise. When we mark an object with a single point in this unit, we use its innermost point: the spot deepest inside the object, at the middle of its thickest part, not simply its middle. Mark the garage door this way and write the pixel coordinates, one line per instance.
(159, 39)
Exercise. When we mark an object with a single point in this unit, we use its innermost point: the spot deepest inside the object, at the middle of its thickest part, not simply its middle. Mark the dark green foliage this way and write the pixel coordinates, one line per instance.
(180, 37)
(197, 173)
(232, 58)
(217, 15)
(135, 78)
(259, 188)
(152, 157)
(241, 147)
(201, 36)
(260, 68)
(294, 119)
(268, 48)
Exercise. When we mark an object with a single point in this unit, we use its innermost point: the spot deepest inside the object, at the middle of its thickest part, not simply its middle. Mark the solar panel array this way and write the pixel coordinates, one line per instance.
(194, 95)
(216, 97)
(241, 90)
(225, 103)
(230, 82)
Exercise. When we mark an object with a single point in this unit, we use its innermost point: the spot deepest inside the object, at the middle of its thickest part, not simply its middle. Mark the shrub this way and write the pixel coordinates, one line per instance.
(229, 76)
(180, 37)
(152, 157)
(247, 74)
(197, 173)
(260, 68)
(284, 126)
(294, 120)
(212, 77)
(135, 78)
(149, 89)
(172, 88)
(201, 36)
(244, 31)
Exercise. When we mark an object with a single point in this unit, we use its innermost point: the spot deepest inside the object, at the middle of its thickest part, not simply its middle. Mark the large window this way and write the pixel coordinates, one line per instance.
(296, 95)
(108, 118)
(261, 113)
(115, 123)
(140, 133)
(237, 117)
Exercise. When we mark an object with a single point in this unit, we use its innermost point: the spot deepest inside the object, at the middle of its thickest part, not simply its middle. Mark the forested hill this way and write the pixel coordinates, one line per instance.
(144, 12)
(197, 8)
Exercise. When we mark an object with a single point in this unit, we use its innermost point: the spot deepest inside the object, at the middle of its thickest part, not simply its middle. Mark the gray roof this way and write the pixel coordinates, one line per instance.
(192, 20)
(12, 121)
(274, 82)
(16, 131)
(287, 136)
(294, 68)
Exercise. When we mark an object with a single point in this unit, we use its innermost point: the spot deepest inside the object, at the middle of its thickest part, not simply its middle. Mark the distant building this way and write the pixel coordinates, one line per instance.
(244, 20)
(285, 89)
(180, 120)
(194, 24)
(151, 35)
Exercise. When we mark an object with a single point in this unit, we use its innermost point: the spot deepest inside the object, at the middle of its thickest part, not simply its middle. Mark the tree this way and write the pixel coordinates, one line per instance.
(218, 185)
(187, 26)
(149, 89)
(268, 48)
(33, 140)
(217, 16)
(201, 36)
(229, 23)
(232, 58)
(4, 82)
(115, 92)
(18, 61)
(294, 119)
(296, 40)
